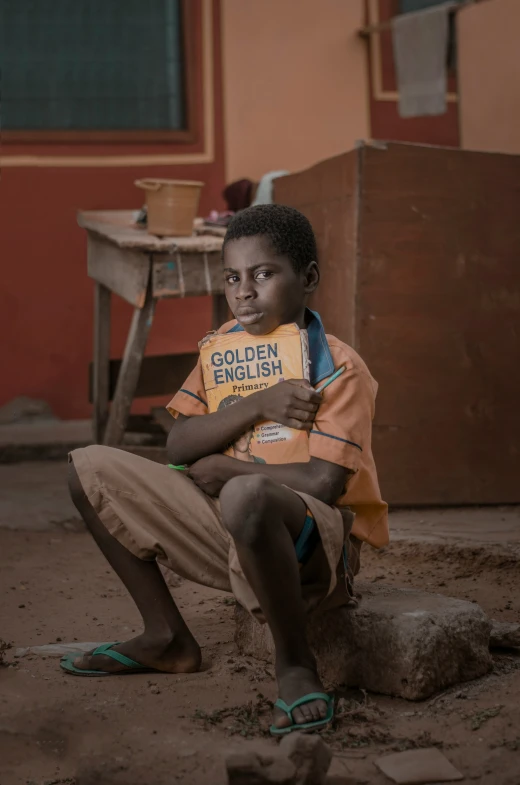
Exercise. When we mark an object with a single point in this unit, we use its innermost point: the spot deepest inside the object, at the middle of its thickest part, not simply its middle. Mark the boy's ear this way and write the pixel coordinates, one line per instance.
(312, 277)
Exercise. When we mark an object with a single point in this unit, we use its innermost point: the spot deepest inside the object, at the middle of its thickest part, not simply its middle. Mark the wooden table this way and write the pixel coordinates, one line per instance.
(142, 269)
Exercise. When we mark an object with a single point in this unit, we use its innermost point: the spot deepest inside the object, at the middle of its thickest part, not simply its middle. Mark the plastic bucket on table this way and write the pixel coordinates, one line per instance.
(172, 205)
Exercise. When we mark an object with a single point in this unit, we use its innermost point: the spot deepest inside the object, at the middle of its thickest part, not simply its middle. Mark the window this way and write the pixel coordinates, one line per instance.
(408, 6)
(95, 70)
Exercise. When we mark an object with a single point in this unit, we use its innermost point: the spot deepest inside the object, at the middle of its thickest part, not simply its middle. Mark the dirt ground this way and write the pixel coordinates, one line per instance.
(155, 729)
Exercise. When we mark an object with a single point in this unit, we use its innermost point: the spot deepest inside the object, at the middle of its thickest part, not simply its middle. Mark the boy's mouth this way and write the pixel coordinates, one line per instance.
(248, 316)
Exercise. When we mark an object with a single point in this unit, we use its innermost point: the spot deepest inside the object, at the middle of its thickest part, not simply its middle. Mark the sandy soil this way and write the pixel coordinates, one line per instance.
(162, 729)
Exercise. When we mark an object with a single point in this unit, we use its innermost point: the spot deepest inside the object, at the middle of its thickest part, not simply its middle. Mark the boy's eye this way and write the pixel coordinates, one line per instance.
(232, 278)
(263, 275)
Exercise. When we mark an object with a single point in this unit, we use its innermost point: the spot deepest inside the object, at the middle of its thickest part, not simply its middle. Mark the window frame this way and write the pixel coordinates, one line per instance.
(186, 135)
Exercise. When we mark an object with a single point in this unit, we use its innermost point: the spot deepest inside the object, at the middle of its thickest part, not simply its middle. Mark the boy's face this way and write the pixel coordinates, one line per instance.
(262, 288)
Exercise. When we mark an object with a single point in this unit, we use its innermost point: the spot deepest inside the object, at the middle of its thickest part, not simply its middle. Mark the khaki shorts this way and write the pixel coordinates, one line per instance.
(158, 513)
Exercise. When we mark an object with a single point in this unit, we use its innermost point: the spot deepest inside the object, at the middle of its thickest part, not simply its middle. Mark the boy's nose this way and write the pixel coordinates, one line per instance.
(245, 292)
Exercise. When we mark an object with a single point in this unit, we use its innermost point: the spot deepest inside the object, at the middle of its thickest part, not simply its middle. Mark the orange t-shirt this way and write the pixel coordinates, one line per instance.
(342, 431)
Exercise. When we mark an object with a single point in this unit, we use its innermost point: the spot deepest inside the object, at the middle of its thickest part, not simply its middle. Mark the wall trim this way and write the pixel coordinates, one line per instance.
(206, 156)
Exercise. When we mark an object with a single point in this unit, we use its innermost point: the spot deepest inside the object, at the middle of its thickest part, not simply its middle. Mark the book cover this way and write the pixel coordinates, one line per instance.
(235, 365)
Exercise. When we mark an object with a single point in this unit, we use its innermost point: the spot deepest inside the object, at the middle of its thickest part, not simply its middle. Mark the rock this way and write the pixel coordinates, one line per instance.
(504, 635)
(25, 410)
(255, 768)
(57, 649)
(399, 642)
(310, 755)
(418, 766)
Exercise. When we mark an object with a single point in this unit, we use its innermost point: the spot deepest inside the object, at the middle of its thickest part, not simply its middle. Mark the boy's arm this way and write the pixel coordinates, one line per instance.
(192, 438)
(293, 403)
(341, 431)
(321, 479)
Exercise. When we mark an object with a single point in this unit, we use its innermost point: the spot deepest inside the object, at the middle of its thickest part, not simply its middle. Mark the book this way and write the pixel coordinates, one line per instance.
(235, 365)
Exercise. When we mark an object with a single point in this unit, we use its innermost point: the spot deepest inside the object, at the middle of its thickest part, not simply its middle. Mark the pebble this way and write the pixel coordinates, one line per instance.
(310, 756)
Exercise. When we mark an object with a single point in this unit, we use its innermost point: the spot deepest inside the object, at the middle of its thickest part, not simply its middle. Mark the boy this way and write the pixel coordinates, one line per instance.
(272, 534)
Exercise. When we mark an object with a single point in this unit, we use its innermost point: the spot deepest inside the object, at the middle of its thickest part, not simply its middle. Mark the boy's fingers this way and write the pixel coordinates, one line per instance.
(302, 414)
(307, 394)
(307, 418)
(304, 390)
(299, 425)
(305, 406)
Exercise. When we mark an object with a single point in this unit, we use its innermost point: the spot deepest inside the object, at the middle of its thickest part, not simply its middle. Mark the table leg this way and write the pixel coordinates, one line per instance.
(220, 311)
(129, 372)
(101, 360)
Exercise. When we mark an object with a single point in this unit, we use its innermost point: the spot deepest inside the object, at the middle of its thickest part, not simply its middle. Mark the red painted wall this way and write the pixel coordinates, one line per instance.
(46, 298)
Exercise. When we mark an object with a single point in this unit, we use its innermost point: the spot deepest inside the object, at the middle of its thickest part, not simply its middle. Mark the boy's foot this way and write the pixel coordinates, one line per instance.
(174, 655)
(294, 683)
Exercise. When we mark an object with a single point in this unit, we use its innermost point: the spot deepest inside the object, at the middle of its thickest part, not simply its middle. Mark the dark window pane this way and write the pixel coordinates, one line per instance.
(407, 6)
(93, 65)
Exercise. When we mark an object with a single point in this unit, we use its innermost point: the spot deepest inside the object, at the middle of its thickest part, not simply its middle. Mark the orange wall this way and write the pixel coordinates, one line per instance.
(296, 82)
(489, 76)
(46, 298)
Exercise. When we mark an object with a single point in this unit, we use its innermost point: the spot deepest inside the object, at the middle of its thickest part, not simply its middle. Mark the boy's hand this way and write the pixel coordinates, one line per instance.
(293, 403)
(209, 473)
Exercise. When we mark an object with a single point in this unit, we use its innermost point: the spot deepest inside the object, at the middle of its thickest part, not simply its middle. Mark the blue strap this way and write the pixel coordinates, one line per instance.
(107, 650)
(311, 696)
(301, 542)
(307, 541)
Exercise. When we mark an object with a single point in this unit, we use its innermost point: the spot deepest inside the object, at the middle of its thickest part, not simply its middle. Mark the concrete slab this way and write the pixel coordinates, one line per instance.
(46, 440)
(500, 525)
(34, 496)
(400, 642)
(42, 441)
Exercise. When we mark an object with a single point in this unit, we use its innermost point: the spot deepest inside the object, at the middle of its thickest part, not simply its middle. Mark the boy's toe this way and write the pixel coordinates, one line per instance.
(280, 719)
(297, 685)
(302, 714)
(322, 709)
(82, 663)
(98, 663)
(310, 712)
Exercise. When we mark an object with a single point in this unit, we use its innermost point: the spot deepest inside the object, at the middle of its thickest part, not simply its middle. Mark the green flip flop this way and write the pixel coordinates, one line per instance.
(306, 726)
(131, 666)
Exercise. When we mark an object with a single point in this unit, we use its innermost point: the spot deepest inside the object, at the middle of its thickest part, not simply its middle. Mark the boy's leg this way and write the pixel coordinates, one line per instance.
(166, 643)
(265, 519)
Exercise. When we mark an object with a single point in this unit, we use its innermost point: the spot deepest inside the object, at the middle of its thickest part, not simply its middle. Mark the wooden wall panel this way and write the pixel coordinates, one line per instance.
(438, 321)
(421, 276)
(327, 195)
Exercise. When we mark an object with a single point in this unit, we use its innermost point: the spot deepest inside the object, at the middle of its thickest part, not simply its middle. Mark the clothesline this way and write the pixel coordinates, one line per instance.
(386, 25)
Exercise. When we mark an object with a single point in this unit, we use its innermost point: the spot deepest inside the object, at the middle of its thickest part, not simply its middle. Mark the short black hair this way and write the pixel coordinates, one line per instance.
(289, 232)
